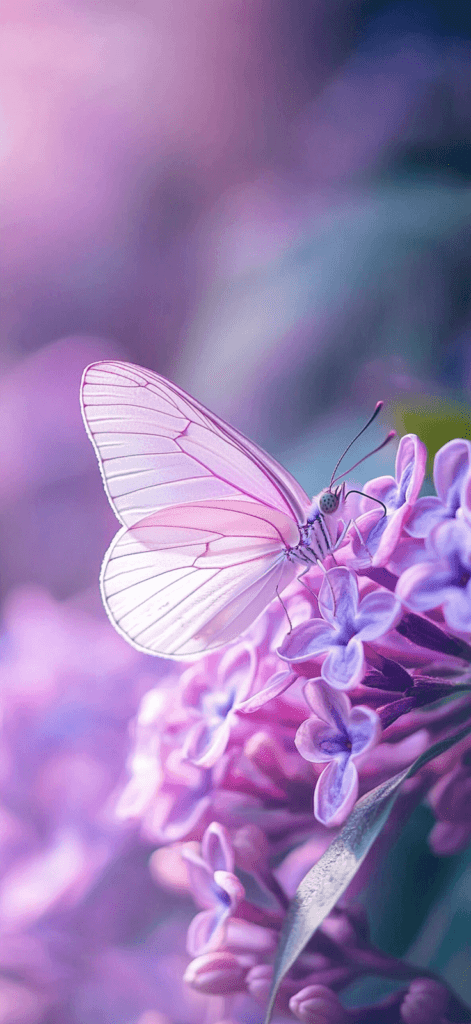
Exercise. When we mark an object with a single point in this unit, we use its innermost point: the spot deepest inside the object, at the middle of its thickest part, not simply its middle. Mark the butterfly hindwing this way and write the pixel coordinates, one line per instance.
(193, 577)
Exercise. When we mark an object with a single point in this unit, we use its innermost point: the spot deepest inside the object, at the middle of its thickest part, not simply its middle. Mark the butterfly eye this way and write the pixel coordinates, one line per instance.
(328, 502)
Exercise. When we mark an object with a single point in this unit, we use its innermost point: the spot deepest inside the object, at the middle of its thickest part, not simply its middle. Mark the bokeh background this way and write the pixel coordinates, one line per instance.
(270, 203)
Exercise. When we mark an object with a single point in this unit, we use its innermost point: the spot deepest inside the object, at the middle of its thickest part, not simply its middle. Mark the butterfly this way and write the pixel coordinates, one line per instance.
(213, 528)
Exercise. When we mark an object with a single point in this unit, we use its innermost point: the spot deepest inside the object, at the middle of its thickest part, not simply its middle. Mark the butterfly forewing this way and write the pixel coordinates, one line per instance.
(157, 447)
(192, 577)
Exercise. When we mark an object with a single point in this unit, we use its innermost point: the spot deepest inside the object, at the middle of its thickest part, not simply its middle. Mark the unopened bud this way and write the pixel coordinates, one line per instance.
(339, 926)
(424, 633)
(258, 981)
(425, 1002)
(448, 837)
(317, 1004)
(216, 974)
(450, 797)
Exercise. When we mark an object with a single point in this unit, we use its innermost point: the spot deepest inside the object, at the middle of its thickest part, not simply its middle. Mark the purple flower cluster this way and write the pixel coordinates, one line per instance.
(326, 696)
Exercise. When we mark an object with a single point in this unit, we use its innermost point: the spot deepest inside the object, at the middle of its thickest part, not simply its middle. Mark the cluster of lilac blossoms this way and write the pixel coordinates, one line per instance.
(246, 761)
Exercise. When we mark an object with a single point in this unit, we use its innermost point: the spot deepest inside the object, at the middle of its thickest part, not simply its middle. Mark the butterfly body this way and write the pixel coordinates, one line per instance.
(213, 528)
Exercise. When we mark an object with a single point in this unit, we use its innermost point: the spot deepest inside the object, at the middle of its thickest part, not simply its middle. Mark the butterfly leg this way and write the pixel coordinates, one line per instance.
(360, 538)
(327, 540)
(285, 610)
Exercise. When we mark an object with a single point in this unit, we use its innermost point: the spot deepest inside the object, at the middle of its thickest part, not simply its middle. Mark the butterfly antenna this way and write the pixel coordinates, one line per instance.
(378, 407)
(391, 435)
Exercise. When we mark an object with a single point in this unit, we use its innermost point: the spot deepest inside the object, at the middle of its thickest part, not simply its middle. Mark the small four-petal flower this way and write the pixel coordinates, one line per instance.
(381, 532)
(340, 735)
(347, 622)
(214, 886)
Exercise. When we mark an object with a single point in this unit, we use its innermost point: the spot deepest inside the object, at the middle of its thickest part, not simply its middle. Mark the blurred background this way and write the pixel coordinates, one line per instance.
(269, 203)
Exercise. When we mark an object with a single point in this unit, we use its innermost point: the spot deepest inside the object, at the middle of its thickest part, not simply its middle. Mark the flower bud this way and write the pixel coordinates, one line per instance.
(344, 928)
(426, 634)
(450, 797)
(425, 1002)
(448, 837)
(317, 1004)
(216, 974)
(258, 981)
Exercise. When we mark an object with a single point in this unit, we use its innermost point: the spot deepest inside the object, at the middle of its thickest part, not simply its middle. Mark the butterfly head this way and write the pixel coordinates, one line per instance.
(329, 501)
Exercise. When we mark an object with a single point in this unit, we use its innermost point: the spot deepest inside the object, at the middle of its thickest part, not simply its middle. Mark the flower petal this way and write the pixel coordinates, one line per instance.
(364, 729)
(378, 612)
(200, 876)
(232, 891)
(237, 669)
(317, 742)
(336, 792)
(276, 685)
(206, 743)
(338, 596)
(384, 537)
(216, 848)
(450, 467)
(343, 666)
(411, 460)
(426, 513)
(382, 487)
(206, 932)
(307, 640)
(332, 706)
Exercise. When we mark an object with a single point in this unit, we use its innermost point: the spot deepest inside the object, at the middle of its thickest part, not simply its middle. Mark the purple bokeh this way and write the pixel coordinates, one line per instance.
(269, 204)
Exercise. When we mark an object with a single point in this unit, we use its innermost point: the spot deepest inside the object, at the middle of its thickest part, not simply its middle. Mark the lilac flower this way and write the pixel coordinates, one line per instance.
(339, 735)
(450, 475)
(444, 580)
(215, 887)
(217, 704)
(346, 623)
(398, 494)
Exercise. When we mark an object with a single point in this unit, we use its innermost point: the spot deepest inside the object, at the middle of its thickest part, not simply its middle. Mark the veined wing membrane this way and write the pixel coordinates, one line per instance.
(158, 447)
(192, 577)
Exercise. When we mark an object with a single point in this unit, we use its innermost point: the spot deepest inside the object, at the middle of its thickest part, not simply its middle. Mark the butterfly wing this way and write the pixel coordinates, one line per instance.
(192, 577)
(158, 447)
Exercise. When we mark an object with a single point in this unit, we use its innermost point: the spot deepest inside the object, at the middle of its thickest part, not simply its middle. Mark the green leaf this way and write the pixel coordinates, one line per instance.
(324, 884)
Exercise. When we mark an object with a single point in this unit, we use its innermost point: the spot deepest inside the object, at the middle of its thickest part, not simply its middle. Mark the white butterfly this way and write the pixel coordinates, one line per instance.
(213, 527)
